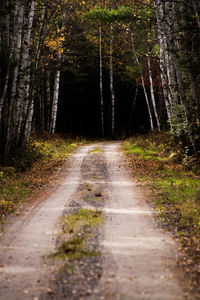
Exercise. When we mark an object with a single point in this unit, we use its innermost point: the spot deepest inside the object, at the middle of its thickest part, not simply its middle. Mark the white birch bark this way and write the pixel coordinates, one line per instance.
(55, 99)
(17, 42)
(37, 59)
(164, 55)
(101, 80)
(168, 77)
(163, 77)
(28, 122)
(5, 37)
(24, 76)
(167, 15)
(172, 81)
(152, 93)
(55, 103)
(111, 80)
(170, 65)
(143, 85)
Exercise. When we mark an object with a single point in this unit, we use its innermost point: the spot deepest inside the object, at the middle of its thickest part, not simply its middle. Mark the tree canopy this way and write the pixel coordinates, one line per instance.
(52, 55)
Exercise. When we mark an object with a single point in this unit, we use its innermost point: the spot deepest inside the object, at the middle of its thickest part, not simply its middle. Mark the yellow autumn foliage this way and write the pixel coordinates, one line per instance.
(55, 42)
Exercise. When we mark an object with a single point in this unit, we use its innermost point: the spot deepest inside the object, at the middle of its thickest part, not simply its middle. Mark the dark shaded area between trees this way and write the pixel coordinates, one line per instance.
(79, 107)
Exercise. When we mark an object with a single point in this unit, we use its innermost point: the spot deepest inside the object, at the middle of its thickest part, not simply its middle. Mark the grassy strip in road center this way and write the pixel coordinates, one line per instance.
(76, 230)
(96, 150)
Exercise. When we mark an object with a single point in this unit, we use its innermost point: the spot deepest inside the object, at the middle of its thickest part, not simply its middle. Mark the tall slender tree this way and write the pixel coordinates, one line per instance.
(101, 79)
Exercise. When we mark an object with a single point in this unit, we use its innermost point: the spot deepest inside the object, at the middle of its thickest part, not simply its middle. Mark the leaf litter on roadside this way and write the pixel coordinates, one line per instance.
(161, 165)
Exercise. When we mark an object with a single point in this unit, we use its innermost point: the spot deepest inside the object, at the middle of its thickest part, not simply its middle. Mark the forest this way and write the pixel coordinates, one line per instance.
(99, 149)
(99, 69)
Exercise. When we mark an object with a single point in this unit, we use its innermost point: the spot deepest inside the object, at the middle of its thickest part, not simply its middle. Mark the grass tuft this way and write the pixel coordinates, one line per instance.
(82, 219)
(77, 228)
(96, 150)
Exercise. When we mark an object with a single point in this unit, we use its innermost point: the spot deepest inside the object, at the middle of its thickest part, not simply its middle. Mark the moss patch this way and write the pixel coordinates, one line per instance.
(96, 150)
(74, 249)
(149, 153)
(77, 229)
(88, 186)
(81, 219)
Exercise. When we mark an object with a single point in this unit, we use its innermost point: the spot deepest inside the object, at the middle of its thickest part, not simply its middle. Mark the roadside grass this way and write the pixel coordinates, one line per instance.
(27, 173)
(161, 164)
(76, 230)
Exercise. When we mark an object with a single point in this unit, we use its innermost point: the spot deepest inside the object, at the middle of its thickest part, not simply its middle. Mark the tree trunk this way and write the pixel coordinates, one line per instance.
(17, 42)
(5, 42)
(55, 103)
(186, 80)
(163, 59)
(28, 123)
(111, 80)
(42, 20)
(152, 93)
(132, 109)
(195, 8)
(172, 81)
(42, 109)
(2, 99)
(171, 22)
(24, 76)
(48, 99)
(101, 80)
(55, 98)
(143, 85)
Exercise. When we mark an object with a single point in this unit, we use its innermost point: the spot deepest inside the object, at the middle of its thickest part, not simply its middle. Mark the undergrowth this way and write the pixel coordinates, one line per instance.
(31, 170)
(162, 164)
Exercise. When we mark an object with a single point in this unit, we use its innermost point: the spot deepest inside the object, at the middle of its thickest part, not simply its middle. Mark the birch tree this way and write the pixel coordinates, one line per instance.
(102, 16)
(17, 43)
(55, 98)
(152, 93)
(143, 85)
(178, 49)
(4, 44)
(20, 84)
(23, 87)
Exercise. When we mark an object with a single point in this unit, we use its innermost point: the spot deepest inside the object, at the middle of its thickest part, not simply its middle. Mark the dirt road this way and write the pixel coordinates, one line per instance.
(136, 260)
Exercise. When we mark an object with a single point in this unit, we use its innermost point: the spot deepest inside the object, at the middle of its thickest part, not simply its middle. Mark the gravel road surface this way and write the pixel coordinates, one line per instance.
(137, 259)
